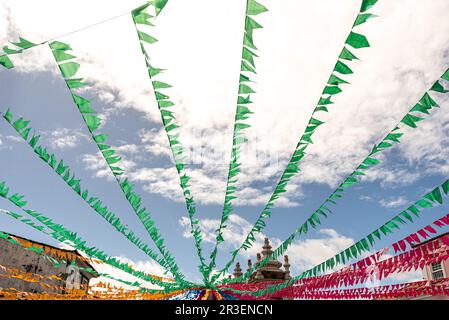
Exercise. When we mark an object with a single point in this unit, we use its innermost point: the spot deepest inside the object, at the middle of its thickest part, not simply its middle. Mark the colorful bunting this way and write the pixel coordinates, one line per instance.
(170, 125)
(62, 234)
(310, 284)
(242, 113)
(67, 174)
(21, 45)
(355, 178)
(354, 40)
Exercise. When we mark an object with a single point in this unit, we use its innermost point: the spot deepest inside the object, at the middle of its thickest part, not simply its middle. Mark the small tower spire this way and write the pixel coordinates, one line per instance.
(287, 268)
(259, 274)
(266, 248)
(237, 271)
(250, 265)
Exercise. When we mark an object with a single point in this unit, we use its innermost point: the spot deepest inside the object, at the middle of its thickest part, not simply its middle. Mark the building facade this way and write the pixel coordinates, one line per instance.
(435, 271)
(51, 276)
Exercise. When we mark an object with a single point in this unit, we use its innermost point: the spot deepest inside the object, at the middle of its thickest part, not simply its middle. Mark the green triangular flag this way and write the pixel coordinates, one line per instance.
(69, 69)
(347, 55)
(367, 4)
(146, 37)
(254, 8)
(362, 18)
(23, 43)
(357, 40)
(159, 4)
(342, 68)
(6, 62)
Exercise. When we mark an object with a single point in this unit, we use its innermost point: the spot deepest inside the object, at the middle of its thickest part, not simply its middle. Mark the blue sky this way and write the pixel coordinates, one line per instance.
(200, 48)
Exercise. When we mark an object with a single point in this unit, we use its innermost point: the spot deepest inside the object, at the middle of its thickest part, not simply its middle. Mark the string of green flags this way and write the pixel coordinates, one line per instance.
(418, 112)
(24, 44)
(23, 128)
(242, 113)
(142, 18)
(69, 69)
(332, 88)
(58, 262)
(429, 200)
(62, 234)
(19, 47)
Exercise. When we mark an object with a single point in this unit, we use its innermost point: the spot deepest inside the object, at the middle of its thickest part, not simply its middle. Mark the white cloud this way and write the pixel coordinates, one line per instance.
(206, 188)
(393, 202)
(96, 162)
(304, 254)
(390, 177)
(63, 138)
(406, 56)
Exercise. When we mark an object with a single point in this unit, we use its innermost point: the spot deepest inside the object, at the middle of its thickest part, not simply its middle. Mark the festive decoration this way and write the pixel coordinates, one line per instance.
(322, 281)
(332, 88)
(92, 121)
(141, 17)
(397, 291)
(20, 46)
(62, 234)
(425, 104)
(242, 113)
(370, 268)
(64, 171)
(427, 201)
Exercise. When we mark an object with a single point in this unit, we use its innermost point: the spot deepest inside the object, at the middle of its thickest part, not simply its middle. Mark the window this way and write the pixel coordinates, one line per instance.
(437, 271)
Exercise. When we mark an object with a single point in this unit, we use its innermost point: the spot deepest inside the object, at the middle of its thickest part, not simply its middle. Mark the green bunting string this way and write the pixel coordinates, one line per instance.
(159, 5)
(58, 262)
(68, 70)
(141, 17)
(242, 113)
(332, 88)
(429, 200)
(60, 167)
(62, 234)
(19, 47)
(24, 44)
(417, 113)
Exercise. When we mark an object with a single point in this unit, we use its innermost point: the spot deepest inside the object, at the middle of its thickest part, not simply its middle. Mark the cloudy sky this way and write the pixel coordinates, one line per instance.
(200, 46)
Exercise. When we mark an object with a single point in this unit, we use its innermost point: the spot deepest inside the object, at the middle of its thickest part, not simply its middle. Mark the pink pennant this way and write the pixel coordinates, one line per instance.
(415, 238)
(445, 240)
(439, 224)
(409, 240)
(445, 220)
(423, 234)
(396, 247)
(402, 245)
(430, 229)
